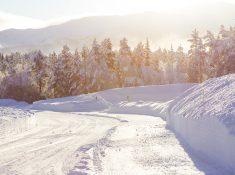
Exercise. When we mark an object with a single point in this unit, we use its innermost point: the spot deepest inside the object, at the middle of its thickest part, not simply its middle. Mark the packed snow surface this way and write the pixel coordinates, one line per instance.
(170, 129)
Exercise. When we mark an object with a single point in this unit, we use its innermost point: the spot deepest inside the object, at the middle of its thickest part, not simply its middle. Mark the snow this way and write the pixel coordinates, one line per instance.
(116, 100)
(168, 129)
(82, 103)
(14, 119)
(204, 116)
(10, 102)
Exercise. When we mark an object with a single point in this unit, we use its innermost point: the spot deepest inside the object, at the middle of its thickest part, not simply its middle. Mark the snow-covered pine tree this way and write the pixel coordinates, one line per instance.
(100, 77)
(157, 65)
(181, 65)
(84, 70)
(149, 75)
(64, 72)
(196, 58)
(221, 52)
(93, 61)
(147, 53)
(38, 73)
(125, 62)
(139, 54)
(139, 61)
(212, 54)
(11, 64)
(108, 55)
(169, 66)
(226, 51)
(53, 73)
(157, 56)
(76, 86)
(3, 65)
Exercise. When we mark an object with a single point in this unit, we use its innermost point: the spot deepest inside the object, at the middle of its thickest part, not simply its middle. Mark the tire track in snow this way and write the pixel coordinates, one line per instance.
(91, 155)
(49, 150)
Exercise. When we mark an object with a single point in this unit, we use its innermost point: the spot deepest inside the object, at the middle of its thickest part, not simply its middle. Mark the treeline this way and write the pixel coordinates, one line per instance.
(35, 76)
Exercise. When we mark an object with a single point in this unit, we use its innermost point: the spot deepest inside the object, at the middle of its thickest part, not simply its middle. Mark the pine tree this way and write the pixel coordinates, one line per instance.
(109, 58)
(139, 61)
(107, 53)
(180, 60)
(3, 65)
(53, 73)
(221, 52)
(156, 59)
(84, 70)
(212, 56)
(226, 51)
(139, 55)
(64, 73)
(124, 50)
(76, 87)
(196, 56)
(38, 71)
(147, 53)
(126, 63)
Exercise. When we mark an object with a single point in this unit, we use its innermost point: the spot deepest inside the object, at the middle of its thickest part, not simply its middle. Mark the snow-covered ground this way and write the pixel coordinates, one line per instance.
(14, 119)
(170, 129)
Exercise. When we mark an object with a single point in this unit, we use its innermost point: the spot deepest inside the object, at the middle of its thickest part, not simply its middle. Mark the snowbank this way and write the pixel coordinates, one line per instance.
(204, 117)
(146, 100)
(82, 103)
(10, 102)
(14, 118)
(135, 100)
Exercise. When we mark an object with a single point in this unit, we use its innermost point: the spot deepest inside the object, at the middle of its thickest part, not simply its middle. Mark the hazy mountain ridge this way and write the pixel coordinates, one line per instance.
(161, 28)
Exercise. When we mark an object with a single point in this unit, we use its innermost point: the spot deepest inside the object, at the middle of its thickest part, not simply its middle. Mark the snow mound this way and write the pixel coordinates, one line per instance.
(82, 103)
(204, 116)
(135, 100)
(12, 112)
(146, 100)
(14, 118)
(152, 93)
(11, 102)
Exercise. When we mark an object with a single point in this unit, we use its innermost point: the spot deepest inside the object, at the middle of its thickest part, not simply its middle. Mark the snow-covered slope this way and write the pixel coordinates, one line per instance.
(204, 116)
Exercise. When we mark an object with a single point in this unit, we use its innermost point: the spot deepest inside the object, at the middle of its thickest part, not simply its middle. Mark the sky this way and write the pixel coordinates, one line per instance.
(40, 13)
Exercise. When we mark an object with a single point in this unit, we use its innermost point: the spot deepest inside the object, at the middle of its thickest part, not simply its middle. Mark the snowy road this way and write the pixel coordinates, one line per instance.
(97, 143)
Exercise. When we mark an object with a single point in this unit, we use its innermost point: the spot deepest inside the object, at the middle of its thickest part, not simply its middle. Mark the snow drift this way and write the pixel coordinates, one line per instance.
(10, 102)
(14, 118)
(82, 103)
(132, 100)
(204, 116)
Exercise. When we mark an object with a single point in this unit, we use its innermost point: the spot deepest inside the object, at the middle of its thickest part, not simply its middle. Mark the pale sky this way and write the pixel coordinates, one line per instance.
(39, 13)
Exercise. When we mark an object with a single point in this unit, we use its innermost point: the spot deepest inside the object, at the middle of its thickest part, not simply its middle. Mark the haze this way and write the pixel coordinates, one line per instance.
(41, 13)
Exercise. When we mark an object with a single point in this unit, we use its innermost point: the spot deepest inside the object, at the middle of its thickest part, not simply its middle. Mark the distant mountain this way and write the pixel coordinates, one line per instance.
(162, 29)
